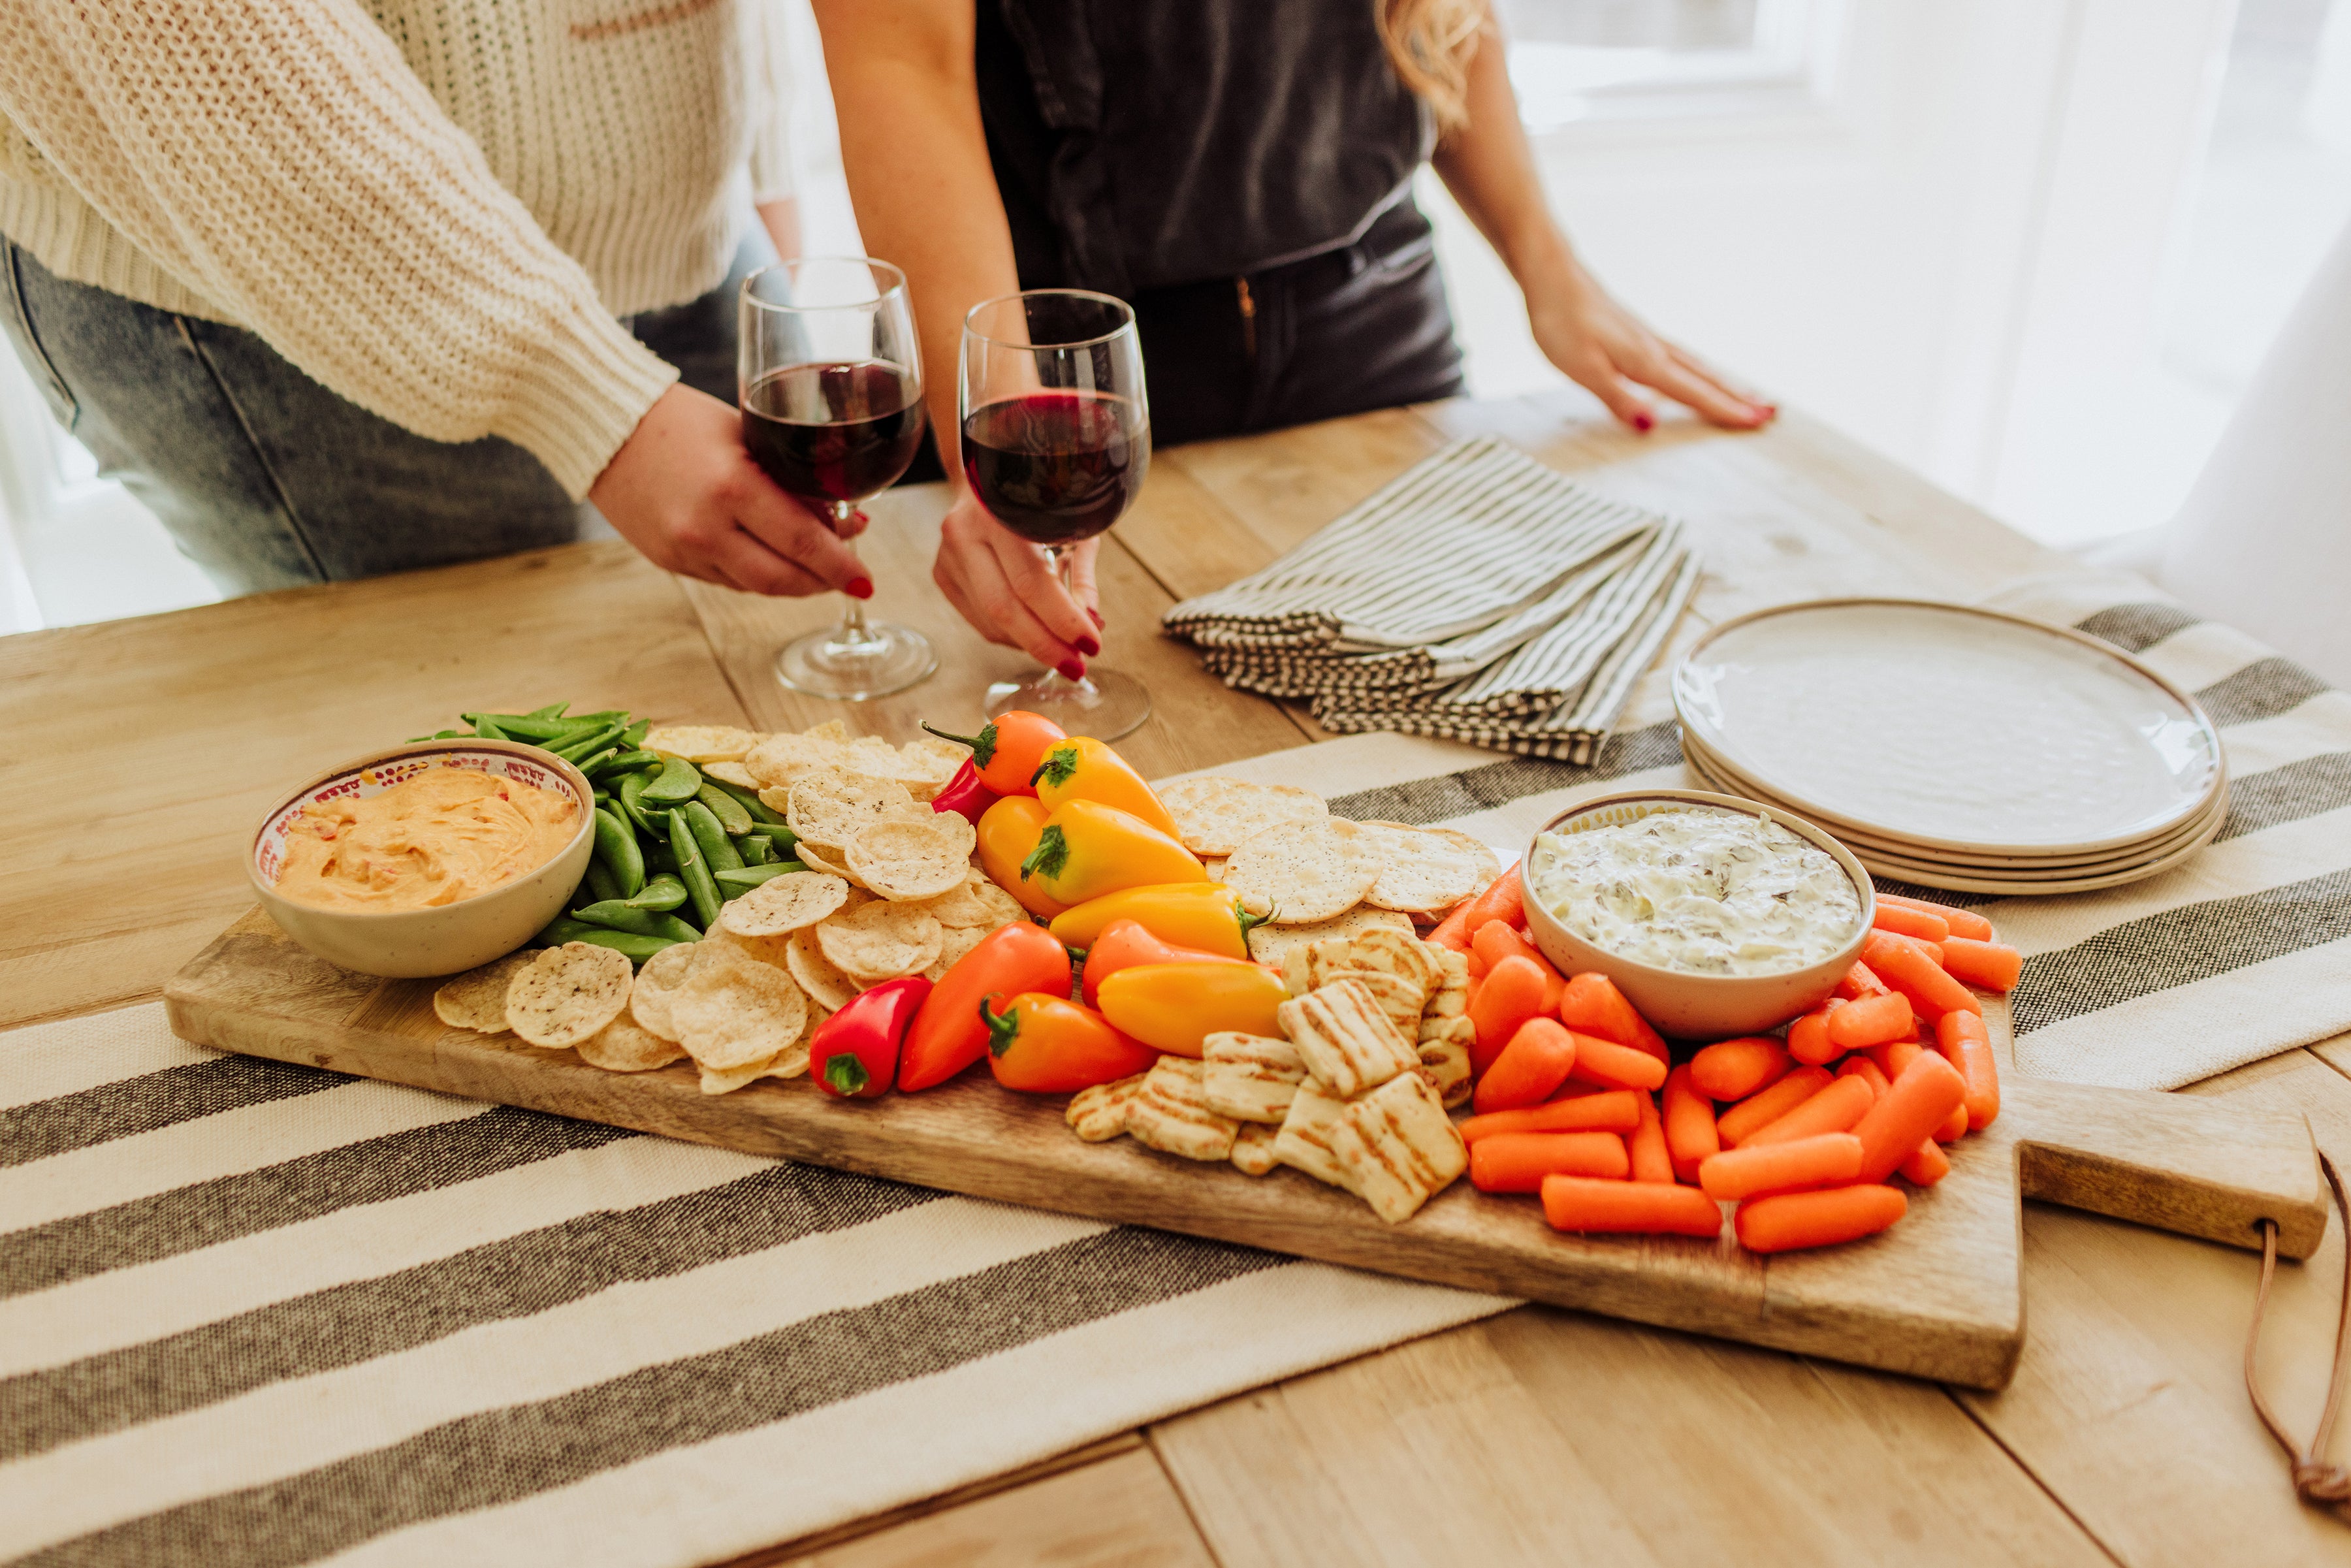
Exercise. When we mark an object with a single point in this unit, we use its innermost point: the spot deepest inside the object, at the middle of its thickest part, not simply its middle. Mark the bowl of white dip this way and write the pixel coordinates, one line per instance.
(1715, 916)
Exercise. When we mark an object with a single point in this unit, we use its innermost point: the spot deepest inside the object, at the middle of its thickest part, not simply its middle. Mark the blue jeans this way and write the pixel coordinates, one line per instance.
(264, 478)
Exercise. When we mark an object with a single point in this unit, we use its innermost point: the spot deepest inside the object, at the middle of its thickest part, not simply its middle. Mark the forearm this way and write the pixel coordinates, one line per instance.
(916, 158)
(1489, 168)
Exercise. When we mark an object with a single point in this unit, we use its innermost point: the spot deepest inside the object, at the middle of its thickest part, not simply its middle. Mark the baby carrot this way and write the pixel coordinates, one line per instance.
(1760, 1111)
(1927, 1165)
(1963, 922)
(1869, 1073)
(1592, 1005)
(1505, 899)
(1477, 963)
(1531, 1065)
(1964, 1044)
(1817, 1161)
(1991, 965)
(1893, 1056)
(1860, 981)
(1905, 966)
(1495, 942)
(1910, 922)
(1734, 1069)
(1511, 993)
(1614, 1066)
(1453, 931)
(1690, 1125)
(1873, 1020)
(1517, 1161)
(1652, 1161)
(1838, 1108)
(1954, 1127)
(1933, 950)
(1609, 1111)
(1796, 1219)
(1915, 1104)
(1808, 1036)
(1624, 1207)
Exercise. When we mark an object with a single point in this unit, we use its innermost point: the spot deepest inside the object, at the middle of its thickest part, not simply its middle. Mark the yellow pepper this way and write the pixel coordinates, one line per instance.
(1083, 769)
(1204, 915)
(1176, 1007)
(1087, 849)
(1007, 832)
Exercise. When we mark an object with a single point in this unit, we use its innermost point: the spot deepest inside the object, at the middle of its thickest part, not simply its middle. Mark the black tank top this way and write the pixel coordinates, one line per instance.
(1140, 143)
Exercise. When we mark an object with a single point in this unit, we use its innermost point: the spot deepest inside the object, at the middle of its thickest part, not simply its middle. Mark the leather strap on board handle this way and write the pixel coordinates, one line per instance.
(2315, 1479)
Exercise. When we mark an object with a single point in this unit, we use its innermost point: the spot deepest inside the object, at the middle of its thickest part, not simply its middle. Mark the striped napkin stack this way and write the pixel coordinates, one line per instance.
(1478, 597)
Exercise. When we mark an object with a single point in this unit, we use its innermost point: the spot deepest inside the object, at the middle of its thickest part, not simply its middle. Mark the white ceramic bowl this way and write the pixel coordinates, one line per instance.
(1699, 1007)
(408, 944)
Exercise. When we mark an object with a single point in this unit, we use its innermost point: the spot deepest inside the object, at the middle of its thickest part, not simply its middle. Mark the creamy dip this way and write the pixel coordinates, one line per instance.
(446, 833)
(1696, 889)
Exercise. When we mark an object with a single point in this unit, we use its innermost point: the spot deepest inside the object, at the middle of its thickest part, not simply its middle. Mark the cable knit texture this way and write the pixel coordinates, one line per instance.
(434, 207)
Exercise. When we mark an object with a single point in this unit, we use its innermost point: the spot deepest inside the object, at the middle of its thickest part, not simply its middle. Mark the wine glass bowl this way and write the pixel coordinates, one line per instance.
(830, 383)
(1055, 431)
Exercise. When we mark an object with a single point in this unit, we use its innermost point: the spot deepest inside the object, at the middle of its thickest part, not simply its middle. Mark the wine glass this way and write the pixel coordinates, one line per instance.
(1056, 440)
(830, 378)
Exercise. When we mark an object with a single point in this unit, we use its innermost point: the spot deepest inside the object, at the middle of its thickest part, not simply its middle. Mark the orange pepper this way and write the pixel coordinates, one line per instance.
(1084, 769)
(1087, 849)
(1203, 915)
(1050, 1045)
(1007, 832)
(1176, 1007)
(1126, 944)
(1010, 748)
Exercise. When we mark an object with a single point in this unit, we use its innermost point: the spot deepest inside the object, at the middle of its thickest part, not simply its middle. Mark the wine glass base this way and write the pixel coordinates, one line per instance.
(882, 660)
(1105, 704)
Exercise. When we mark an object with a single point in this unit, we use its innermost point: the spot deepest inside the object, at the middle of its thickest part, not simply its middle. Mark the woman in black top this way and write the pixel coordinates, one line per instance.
(1240, 171)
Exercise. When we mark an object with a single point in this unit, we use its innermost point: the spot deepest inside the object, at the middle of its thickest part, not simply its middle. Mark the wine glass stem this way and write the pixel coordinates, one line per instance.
(853, 618)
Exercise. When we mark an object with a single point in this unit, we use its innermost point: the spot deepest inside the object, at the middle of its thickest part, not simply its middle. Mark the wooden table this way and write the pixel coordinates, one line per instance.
(141, 752)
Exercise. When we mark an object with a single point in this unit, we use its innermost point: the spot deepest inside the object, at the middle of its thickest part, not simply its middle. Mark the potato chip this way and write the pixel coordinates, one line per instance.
(476, 999)
(766, 949)
(657, 982)
(908, 861)
(1216, 815)
(831, 729)
(784, 904)
(1426, 869)
(880, 941)
(955, 941)
(715, 1081)
(924, 766)
(624, 1045)
(830, 859)
(732, 773)
(701, 742)
(977, 903)
(567, 993)
(734, 1010)
(1271, 944)
(1300, 873)
(818, 975)
(830, 808)
(779, 760)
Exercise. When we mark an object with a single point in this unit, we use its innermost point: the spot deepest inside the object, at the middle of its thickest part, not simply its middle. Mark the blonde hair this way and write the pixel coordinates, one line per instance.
(1431, 43)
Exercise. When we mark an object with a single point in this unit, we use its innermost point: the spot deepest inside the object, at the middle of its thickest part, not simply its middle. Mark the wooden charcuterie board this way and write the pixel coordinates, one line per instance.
(1939, 1296)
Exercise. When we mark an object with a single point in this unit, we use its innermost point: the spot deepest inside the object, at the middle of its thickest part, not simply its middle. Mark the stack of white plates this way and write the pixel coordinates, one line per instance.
(1955, 747)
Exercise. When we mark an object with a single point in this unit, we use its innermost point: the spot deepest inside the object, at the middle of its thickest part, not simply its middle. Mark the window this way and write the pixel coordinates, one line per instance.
(1583, 59)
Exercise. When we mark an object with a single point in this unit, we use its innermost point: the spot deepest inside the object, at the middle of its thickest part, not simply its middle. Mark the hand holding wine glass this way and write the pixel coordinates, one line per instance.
(1011, 591)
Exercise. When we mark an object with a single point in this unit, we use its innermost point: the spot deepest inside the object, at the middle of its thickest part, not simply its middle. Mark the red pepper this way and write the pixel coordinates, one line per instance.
(1050, 1045)
(1126, 942)
(1009, 749)
(854, 1053)
(948, 1035)
(966, 795)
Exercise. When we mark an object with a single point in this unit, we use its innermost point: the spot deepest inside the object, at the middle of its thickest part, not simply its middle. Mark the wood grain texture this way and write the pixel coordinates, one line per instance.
(1937, 1296)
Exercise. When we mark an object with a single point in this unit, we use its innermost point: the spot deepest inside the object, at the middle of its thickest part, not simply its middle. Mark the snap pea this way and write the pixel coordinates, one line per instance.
(635, 734)
(441, 735)
(755, 850)
(732, 817)
(587, 745)
(661, 894)
(552, 710)
(633, 796)
(598, 883)
(520, 725)
(715, 847)
(629, 944)
(679, 781)
(759, 810)
(609, 751)
(618, 916)
(488, 730)
(622, 762)
(751, 876)
(779, 838)
(560, 930)
(617, 852)
(658, 858)
(693, 870)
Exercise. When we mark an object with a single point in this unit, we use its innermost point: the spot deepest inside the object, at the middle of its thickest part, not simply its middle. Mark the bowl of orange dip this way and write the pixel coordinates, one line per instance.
(427, 858)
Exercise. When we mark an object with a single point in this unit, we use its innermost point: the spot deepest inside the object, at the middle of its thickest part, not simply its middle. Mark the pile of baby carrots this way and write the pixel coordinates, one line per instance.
(1579, 1100)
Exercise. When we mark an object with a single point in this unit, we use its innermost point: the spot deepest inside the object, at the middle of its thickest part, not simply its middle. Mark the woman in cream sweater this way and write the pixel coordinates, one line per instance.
(340, 289)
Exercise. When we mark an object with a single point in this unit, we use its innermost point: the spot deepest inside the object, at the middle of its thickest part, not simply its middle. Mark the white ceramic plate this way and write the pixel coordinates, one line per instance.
(1950, 728)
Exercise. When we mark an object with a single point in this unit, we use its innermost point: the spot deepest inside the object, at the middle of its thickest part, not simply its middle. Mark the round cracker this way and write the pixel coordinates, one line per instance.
(657, 982)
(624, 1045)
(476, 999)
(732, 773)
(819, 976)
(1270, 944)
(567, 993)
(880, 941)
(830, 859)
(784, 904)
(1427, 869)
(780, 758)
(908, 861)
(734, 1010)
(702, 742)
(1299, 873)
(955, 941)
(830, 807)
(1216, 815)
(976, 902)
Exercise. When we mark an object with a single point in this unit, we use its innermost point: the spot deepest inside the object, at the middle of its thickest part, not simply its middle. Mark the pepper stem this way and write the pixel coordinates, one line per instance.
(1003, 1028)
(846, 1074)
(1061, 760)
(1051, 855)
(983, 745)
(1251, 922)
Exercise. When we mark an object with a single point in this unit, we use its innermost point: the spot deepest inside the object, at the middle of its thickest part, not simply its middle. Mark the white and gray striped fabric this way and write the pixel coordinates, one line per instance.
(1478, 597)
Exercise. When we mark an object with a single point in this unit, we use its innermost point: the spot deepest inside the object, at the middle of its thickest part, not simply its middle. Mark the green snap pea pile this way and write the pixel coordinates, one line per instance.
(673, 845)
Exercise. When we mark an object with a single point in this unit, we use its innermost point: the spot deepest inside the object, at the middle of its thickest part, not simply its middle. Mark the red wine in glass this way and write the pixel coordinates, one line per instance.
(1056, 466)
(832, 433)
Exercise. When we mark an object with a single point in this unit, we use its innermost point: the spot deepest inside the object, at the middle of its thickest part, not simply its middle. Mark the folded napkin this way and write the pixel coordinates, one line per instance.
(1477, 597)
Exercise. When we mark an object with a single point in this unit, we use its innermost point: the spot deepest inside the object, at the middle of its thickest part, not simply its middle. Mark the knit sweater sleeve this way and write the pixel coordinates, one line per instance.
(279, 157)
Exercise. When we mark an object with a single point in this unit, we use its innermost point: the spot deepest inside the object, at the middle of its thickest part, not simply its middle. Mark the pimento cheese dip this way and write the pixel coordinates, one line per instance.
(446, 833)
(1699, 890)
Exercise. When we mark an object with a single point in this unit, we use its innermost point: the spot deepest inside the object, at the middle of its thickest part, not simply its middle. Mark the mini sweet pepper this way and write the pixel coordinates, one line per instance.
(1008, 750)
(1124, 944)
(1087, 849)
(964, 795)
(854, 1053)
(948, 1034)
(1083, 769)
(1203, 915)
(1052, 1045)
(1176, 1007)
(1008, 831)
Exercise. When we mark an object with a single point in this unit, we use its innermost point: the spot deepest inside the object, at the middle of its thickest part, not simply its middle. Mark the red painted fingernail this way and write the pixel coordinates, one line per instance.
(1073, 669)
(1643, 421)
(1098, 620)
(1088, 646)
(860, 588)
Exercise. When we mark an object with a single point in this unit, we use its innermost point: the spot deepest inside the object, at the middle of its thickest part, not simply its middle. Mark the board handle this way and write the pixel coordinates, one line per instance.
(2190, 1164)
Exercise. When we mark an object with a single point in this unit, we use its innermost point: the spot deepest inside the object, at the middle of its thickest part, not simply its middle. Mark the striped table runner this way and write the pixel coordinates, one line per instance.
(259, 1314)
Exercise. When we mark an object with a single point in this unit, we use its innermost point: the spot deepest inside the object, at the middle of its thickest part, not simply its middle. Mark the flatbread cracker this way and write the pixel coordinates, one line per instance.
(1099, 1114)
(1271, 944)
(702, 742)
(657, 981)
(907, 860)
(1423, 870)
(567, 993)
(1253, 1148)
(782, 905)
(624, 1045)
(830, 808)
(734, 1010)
(1216, 815)
(819, 976)
(1302, 873)
(880, 941)
(476, 999)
